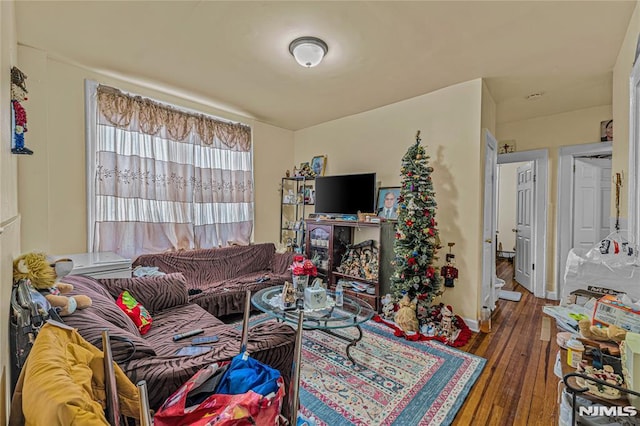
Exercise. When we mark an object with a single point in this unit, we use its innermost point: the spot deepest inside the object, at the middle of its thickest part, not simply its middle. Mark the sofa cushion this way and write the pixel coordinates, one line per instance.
(157, 293)
(104, 305)
(90, 325)
(269, 342)
(205, 268)
(104, 314)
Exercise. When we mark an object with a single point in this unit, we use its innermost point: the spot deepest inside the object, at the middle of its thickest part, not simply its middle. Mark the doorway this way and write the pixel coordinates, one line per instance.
(535, 181)
(515, 214)
(584, 193)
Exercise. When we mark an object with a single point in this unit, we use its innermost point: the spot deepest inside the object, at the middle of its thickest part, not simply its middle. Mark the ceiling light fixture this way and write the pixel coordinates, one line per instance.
(308, 51)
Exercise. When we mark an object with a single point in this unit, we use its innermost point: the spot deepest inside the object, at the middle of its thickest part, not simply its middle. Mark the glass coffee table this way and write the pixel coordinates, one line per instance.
(352, 313)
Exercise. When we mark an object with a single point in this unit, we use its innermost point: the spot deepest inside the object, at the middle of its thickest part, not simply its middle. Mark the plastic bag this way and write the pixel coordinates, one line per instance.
(200, 401)
(614, 250)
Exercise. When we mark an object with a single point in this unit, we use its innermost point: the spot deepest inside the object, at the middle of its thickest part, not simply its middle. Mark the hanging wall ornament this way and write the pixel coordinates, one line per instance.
(18, 113)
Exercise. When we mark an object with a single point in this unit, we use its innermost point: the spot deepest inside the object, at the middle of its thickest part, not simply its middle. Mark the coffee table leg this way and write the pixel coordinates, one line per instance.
(352, 342)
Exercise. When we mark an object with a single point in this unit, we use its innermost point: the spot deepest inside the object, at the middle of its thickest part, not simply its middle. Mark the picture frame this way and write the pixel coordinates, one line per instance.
(318, 164)
(309, 194)
(606, 130)
(385, 194)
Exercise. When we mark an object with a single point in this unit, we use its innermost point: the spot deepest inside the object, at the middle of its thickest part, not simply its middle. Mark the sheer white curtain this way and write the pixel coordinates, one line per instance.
(164, 179)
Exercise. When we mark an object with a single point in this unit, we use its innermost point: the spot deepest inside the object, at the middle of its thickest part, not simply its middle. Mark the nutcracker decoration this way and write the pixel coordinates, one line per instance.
(449, 271)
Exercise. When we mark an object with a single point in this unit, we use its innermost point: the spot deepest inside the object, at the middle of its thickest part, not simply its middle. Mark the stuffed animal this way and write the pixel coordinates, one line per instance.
(43, 277)
(406, 315)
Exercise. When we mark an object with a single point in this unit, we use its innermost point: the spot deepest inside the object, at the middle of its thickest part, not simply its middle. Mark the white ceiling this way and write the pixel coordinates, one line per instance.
(235, 53)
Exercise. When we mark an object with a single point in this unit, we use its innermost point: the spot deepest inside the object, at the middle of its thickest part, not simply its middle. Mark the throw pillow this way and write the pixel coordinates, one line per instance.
(134, 310)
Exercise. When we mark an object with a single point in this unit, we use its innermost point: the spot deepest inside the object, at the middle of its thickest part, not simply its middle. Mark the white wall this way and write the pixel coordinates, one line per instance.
(375, 141)
(52, 182)
(621, 73)
(9, 216)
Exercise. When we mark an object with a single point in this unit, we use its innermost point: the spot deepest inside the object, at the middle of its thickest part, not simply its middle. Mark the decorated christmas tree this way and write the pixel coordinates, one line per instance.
(417, 240)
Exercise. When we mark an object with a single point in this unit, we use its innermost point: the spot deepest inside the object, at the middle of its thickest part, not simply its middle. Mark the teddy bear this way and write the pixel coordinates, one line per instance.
(43, 277)
(406, 315)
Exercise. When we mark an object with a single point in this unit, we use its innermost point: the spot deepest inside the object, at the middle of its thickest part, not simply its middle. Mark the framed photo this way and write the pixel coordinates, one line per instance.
(606, 130)
(318, 164)
(387, 202)
(309, 194)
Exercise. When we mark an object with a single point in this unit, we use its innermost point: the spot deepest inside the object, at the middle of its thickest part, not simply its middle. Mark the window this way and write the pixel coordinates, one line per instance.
(162, 178)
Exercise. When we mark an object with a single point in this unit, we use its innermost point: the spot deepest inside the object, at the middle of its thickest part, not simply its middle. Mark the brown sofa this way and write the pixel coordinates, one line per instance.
(224, 274)
(154, 360)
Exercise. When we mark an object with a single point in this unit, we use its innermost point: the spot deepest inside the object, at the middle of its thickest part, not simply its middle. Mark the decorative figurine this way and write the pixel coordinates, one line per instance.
(288, 295)
(406, 315)
(388, 307)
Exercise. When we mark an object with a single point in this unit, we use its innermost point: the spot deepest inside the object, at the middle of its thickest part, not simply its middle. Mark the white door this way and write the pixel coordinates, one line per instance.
(591, 201)
(524, 222)
(489, 222)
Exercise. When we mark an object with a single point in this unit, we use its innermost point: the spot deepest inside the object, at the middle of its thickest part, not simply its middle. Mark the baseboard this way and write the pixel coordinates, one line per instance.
(472, 324)
(552, 295)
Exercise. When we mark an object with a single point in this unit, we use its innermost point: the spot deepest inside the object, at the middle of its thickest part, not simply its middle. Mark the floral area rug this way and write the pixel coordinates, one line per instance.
(395, 381)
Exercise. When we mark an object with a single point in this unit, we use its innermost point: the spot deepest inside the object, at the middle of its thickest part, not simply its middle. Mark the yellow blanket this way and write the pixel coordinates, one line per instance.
(63, 383)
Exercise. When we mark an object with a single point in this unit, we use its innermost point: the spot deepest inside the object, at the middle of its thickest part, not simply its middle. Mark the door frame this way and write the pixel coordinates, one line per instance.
(489, 219)
(540, 159)
(633, 179)
(564, 212)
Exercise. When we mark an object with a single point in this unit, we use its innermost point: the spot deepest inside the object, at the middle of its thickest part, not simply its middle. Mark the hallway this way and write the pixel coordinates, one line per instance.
(517, 386)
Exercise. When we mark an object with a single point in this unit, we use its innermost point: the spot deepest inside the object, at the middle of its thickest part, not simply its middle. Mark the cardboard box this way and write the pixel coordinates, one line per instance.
(608, 310)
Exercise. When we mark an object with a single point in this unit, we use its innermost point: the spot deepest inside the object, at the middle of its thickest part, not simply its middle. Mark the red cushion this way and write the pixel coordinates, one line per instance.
(134, 310)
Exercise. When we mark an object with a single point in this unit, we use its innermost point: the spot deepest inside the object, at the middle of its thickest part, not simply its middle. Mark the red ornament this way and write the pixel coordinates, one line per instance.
(409, 222)
(430, 272)
(412, 261)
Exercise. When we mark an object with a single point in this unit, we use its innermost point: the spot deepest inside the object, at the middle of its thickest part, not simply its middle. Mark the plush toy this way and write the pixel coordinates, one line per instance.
(406, 315)
(43, 277)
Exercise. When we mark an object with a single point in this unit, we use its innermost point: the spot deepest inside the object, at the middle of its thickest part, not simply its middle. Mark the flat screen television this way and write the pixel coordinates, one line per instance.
(346, 194)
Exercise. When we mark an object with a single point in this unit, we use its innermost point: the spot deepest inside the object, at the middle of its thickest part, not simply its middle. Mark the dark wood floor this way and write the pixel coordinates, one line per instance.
(517, 386)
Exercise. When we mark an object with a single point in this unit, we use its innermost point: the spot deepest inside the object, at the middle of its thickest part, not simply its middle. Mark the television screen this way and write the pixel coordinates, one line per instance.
(346, 194)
